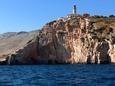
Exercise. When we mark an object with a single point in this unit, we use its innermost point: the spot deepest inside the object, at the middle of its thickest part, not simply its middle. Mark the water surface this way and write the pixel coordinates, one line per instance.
(57, 75)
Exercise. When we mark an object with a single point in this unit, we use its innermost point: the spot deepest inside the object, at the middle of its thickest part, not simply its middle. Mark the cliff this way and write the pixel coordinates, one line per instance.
(68, 40)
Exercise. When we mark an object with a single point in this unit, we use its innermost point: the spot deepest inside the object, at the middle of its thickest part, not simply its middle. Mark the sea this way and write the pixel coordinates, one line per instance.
(58, 75)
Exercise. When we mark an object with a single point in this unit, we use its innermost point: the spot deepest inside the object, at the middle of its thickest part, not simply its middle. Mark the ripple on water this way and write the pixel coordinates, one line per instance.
(57, 75)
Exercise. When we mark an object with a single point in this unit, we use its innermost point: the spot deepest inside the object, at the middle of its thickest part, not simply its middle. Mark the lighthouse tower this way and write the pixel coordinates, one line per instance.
(74, 9)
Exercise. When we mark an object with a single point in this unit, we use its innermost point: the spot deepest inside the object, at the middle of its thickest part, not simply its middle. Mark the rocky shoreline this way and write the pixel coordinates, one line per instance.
(68, 40)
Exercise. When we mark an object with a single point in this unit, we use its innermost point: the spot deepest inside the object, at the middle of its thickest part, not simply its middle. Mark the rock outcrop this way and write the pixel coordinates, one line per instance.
(69, 40)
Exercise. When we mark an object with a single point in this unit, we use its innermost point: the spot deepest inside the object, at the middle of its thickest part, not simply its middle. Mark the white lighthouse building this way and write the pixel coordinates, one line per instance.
(74, 9)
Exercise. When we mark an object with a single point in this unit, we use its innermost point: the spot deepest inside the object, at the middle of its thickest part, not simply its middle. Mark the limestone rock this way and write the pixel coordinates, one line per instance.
(69, 40)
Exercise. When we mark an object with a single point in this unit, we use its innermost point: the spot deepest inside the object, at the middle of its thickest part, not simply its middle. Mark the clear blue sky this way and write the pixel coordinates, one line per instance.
(27, 15)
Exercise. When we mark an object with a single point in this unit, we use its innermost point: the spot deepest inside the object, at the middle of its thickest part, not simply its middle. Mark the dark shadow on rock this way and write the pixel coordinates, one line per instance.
(103, 50)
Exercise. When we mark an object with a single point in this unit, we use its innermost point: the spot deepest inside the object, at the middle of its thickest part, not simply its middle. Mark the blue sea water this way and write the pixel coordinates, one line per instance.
(57, 75)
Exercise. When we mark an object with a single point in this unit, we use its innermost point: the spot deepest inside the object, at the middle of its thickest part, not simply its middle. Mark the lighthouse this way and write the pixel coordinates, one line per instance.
(74, 9)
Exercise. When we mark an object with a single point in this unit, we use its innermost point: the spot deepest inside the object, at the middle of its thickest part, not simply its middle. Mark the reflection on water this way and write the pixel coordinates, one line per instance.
(57, 75)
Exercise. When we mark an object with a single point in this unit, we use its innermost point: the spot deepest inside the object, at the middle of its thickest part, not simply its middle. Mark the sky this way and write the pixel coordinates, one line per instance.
(28, 15)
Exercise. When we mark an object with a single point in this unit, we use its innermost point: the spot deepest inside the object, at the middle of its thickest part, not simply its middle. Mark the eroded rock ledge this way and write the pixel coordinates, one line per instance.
(69, 40)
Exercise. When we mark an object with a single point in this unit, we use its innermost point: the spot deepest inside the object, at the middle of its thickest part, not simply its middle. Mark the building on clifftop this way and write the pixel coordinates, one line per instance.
(74, 9)
(74, 12)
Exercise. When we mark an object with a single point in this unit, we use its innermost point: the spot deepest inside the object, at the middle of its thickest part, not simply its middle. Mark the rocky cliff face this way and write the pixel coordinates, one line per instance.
(72, 39)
